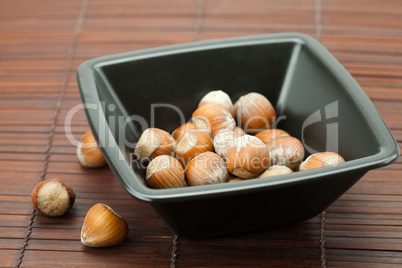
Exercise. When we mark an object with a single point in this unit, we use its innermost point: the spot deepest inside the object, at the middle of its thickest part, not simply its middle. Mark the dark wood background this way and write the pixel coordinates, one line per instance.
(41, 44)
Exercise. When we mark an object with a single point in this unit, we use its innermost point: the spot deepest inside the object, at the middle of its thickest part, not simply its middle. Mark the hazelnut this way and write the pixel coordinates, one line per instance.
(206, 168)
(286, 151)
(239, 131)
(152, 143)
(321, 160)
(247, 156)
(191, 145)
(222, 141)
(165, 171)
(53, 197)
(254, 113)
(103, 227)
(267, 136)
(187, 127)
(88, 152)
(213, 117)
(218, 96)
(179, 132)
(234, 179)
(275, 171)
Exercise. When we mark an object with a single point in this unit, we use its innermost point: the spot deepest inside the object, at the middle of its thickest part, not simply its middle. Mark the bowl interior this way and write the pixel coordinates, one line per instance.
(182, 79)
(312, 103)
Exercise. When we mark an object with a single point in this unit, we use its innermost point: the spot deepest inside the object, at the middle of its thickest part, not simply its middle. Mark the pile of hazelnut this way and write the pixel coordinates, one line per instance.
(212, 148)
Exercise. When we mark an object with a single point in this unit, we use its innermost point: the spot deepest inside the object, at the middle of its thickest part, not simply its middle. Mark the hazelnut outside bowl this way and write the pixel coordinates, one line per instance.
(302, 80)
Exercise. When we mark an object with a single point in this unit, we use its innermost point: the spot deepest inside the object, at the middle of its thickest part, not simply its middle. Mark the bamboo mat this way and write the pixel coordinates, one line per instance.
(42, 43)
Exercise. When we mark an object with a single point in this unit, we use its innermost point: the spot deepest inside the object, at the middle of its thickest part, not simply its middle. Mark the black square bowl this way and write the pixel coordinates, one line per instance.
(315, 98)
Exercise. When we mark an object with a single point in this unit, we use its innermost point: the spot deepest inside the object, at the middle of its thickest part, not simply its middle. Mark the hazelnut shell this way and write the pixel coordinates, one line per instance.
(206, 168)
(239, 131)
(222, 141)
(254, 113)
(220, 97)
(213, 116)
(179, 132)
(247, 156)
(267, 136)
(88, 152)
(321, 160)
(165, 171)
(191, 145)
(53, 197)
(286, 151)
(154, 142)
(234, 179)
(275, 170)
(103, 227)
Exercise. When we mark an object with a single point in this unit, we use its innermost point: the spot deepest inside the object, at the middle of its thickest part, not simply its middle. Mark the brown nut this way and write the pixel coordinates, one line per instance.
(222, 141)
(179, 132)
(165, 171)
(247, 156)
(103, 227)
(267, 136)
(187, 127)
(213, 116)
(234, 179)
(286, 151)
(239, 131)
(254, 113)
(88, 152)
(53, 197)
(220, 97)
(152, 143)
(275, 171)
(206, 168)
(321, 160)
(191, 145)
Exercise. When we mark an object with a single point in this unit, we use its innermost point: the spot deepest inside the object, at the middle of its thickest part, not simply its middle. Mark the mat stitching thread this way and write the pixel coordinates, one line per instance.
(173, 254)
(66, 80)
(199, 20)
(322, 241)
(318, 19)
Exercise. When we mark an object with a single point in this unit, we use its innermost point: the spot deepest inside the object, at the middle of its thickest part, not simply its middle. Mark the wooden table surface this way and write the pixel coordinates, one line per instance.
(41, 44)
